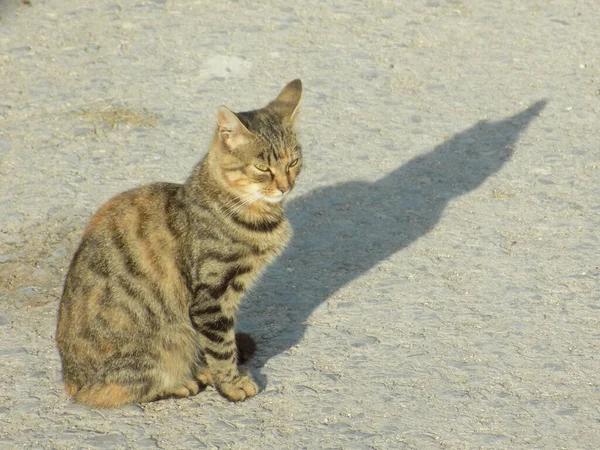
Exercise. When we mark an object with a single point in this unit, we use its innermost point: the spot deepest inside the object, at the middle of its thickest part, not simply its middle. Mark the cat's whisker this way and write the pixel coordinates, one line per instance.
(235, 200)
(237, 204)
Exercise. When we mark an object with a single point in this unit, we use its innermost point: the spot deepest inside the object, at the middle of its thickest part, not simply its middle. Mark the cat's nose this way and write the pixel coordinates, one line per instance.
(282, 185)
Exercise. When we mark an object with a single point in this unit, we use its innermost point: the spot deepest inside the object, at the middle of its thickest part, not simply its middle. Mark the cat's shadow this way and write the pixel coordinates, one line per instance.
(344, 230)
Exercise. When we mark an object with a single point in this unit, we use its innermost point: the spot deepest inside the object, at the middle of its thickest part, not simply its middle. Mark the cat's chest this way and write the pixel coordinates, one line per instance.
(253, 250)
(270, 243)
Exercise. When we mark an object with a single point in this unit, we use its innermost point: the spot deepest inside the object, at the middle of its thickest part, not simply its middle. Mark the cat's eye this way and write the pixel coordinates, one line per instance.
(262, 167)
(294, 163)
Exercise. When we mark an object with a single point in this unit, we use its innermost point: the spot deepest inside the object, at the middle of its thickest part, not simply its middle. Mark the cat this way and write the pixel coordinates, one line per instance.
(149, 303)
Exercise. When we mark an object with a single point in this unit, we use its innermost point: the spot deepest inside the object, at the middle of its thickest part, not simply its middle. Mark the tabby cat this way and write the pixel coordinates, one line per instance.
(150, 299)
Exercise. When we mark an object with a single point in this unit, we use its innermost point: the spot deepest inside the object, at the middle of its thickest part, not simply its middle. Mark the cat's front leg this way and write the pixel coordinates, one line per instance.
(246, 347)
(222, 370)
(218, 341)
(238, 388)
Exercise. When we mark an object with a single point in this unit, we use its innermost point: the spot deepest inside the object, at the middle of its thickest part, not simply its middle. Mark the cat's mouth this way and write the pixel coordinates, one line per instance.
(274, 198)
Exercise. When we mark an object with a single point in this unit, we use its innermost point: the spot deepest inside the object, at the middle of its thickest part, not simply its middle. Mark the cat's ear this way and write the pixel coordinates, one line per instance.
(288, 100)
(231, 130)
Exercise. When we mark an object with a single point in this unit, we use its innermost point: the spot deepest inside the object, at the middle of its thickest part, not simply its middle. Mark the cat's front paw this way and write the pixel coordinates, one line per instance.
(238, 389)
(203, 376)
(189, 387)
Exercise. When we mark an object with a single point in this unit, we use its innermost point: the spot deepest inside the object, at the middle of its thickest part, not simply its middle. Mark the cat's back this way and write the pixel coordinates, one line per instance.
(123, 314)
(140, 210)
(128, 254)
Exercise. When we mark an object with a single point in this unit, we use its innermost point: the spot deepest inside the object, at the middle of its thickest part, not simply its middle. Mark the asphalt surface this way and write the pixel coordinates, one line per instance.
(441, 290)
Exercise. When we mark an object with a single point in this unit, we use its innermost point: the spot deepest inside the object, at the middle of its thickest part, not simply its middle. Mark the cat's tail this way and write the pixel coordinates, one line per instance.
(101, 395)
(246, 347)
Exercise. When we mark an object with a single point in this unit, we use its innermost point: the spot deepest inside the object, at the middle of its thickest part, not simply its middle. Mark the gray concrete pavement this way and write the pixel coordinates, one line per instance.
(441, 290)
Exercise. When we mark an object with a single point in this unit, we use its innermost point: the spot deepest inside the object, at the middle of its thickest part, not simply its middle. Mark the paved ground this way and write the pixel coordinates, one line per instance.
(442, 287)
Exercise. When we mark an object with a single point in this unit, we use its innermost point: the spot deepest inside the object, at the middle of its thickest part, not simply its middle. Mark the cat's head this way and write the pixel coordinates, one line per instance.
(257, 152)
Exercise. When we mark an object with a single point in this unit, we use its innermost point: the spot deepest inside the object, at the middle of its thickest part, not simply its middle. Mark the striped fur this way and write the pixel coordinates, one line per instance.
(149, 304)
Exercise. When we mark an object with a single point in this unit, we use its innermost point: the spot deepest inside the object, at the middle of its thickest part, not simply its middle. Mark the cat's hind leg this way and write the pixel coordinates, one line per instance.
(113, 395)
(104, 395)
